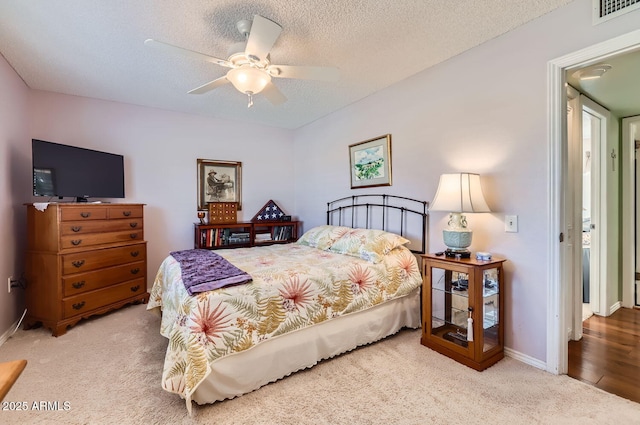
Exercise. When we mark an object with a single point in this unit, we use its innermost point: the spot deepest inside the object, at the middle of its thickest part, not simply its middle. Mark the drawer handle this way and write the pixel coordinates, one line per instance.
(78, 263)
(135, 288)
(76, 228)
(134, 224)
(126, 213)
(78, 285)
(76, 242)
(133, 235)
(85, 214)
(135, 253)
(79, 305)
(135, 271)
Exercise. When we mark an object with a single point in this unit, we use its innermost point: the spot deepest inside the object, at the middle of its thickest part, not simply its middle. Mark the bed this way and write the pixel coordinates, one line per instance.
(344, 284)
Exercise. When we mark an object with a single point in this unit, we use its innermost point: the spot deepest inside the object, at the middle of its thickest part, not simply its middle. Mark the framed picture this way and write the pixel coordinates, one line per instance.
(219, 181)
(370, 162)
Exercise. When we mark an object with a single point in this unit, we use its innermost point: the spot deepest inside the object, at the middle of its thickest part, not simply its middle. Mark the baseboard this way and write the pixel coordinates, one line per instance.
(525, 359)
(12, 329)
(7, 334)
(538, 363)
(615, 307)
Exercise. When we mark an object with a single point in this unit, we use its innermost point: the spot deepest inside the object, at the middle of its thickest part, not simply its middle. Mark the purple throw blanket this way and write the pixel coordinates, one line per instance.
(204, 270)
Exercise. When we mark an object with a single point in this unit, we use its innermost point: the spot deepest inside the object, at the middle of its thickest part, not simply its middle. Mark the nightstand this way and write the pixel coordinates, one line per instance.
(463, 309)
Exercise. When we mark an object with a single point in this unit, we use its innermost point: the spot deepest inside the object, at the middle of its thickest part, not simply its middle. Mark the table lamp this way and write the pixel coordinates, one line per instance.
(459, 193)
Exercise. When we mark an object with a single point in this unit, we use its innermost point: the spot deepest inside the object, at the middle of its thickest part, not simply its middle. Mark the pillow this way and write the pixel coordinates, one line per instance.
(369, 244)
(322, 237)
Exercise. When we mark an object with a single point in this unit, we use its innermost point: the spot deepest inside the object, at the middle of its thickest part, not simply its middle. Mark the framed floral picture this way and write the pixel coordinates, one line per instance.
(370, 162)
(219, 181)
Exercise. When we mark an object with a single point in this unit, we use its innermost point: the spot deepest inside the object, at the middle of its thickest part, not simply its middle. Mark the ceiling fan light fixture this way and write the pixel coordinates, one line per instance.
(248, 80)
(592, 72)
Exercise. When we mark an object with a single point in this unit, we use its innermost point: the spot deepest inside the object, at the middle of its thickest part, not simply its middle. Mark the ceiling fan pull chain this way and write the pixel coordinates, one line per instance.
(250, 99)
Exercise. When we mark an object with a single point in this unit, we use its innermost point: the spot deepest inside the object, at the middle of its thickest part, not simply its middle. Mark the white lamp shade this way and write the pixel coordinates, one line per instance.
(248, 80)
(460, 192)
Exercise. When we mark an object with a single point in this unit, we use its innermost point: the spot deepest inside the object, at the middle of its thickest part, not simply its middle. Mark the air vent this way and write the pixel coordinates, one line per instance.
(603, 10)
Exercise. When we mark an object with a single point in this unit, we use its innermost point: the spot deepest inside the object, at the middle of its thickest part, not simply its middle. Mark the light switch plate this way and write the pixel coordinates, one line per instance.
(511, 223)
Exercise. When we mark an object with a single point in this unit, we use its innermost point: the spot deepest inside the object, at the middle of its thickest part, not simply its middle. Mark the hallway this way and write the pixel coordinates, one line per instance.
(608, 356)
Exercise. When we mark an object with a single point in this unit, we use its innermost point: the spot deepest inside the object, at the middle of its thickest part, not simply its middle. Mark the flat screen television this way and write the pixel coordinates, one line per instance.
(69, 171)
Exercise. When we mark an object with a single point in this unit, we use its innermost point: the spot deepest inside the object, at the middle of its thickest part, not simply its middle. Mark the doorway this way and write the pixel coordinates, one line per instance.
(588, 223)
(590, 283)
(596, 225)
(560, 301)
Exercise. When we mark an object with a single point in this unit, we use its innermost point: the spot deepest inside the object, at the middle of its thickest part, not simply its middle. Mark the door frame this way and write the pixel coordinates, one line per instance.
(578, 105)
(627, 167)
(559, 295)
(599, 210)
(573, 244)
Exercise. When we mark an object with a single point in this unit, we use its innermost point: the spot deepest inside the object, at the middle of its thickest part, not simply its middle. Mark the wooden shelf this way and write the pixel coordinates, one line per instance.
(244, 234)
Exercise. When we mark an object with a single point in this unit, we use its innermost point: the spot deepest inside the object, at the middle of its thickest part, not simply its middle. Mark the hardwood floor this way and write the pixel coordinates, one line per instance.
(608, 356)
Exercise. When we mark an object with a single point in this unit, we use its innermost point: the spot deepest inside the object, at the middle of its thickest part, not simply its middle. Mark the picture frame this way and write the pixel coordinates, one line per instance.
(370, 162)
(219, 181)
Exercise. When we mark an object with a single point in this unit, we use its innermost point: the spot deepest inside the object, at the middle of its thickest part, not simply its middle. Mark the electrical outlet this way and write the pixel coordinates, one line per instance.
(511, 223)
(9, 281)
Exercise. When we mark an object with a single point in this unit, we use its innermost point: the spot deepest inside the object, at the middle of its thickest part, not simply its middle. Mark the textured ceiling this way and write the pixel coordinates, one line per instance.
(95, 48)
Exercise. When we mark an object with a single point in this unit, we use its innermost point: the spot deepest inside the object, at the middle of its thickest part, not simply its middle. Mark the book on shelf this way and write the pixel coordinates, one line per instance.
(214, 237)
(263, 237)
(240, 234)
(282, 233)
(239, 237)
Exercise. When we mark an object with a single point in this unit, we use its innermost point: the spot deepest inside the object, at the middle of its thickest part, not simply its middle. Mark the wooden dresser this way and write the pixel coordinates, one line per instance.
(83, 260)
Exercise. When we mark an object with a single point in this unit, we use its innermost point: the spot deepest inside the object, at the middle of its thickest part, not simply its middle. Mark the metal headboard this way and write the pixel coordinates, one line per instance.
(405, 216)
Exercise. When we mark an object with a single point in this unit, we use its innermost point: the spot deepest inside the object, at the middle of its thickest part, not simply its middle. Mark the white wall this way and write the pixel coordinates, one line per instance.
(160, 150)
(483, 111)
(13, 154)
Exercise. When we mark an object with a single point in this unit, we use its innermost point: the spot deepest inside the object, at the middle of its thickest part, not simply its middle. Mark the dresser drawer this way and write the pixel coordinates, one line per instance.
(82, 213)
(98, 226)
(100, 258)
(125, 211)
(82, 282)
(91, 239)
(83, 303)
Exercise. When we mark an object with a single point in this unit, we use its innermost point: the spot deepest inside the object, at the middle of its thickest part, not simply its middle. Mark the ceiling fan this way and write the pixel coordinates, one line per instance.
(251, 68)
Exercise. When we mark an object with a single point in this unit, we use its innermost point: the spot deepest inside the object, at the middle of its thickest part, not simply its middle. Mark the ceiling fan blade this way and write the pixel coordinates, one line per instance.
(166, 47)
(210, 86)
(273, 94)
(262, 37)
(321, 73)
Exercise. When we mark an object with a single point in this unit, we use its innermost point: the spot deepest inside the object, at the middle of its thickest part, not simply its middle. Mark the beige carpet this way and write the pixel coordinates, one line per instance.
(107, 371)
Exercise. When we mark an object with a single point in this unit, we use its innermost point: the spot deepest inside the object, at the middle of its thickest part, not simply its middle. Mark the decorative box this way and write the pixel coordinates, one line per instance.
(223, 212)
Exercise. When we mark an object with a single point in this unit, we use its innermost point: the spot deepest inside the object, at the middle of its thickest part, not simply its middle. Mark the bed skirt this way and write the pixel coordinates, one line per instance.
(276, 358)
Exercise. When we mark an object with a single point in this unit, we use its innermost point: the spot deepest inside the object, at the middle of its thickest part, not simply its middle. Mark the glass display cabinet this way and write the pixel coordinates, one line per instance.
(463, 309)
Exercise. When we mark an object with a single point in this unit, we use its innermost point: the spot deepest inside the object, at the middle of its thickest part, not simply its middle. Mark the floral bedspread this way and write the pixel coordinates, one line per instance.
(294, 286)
